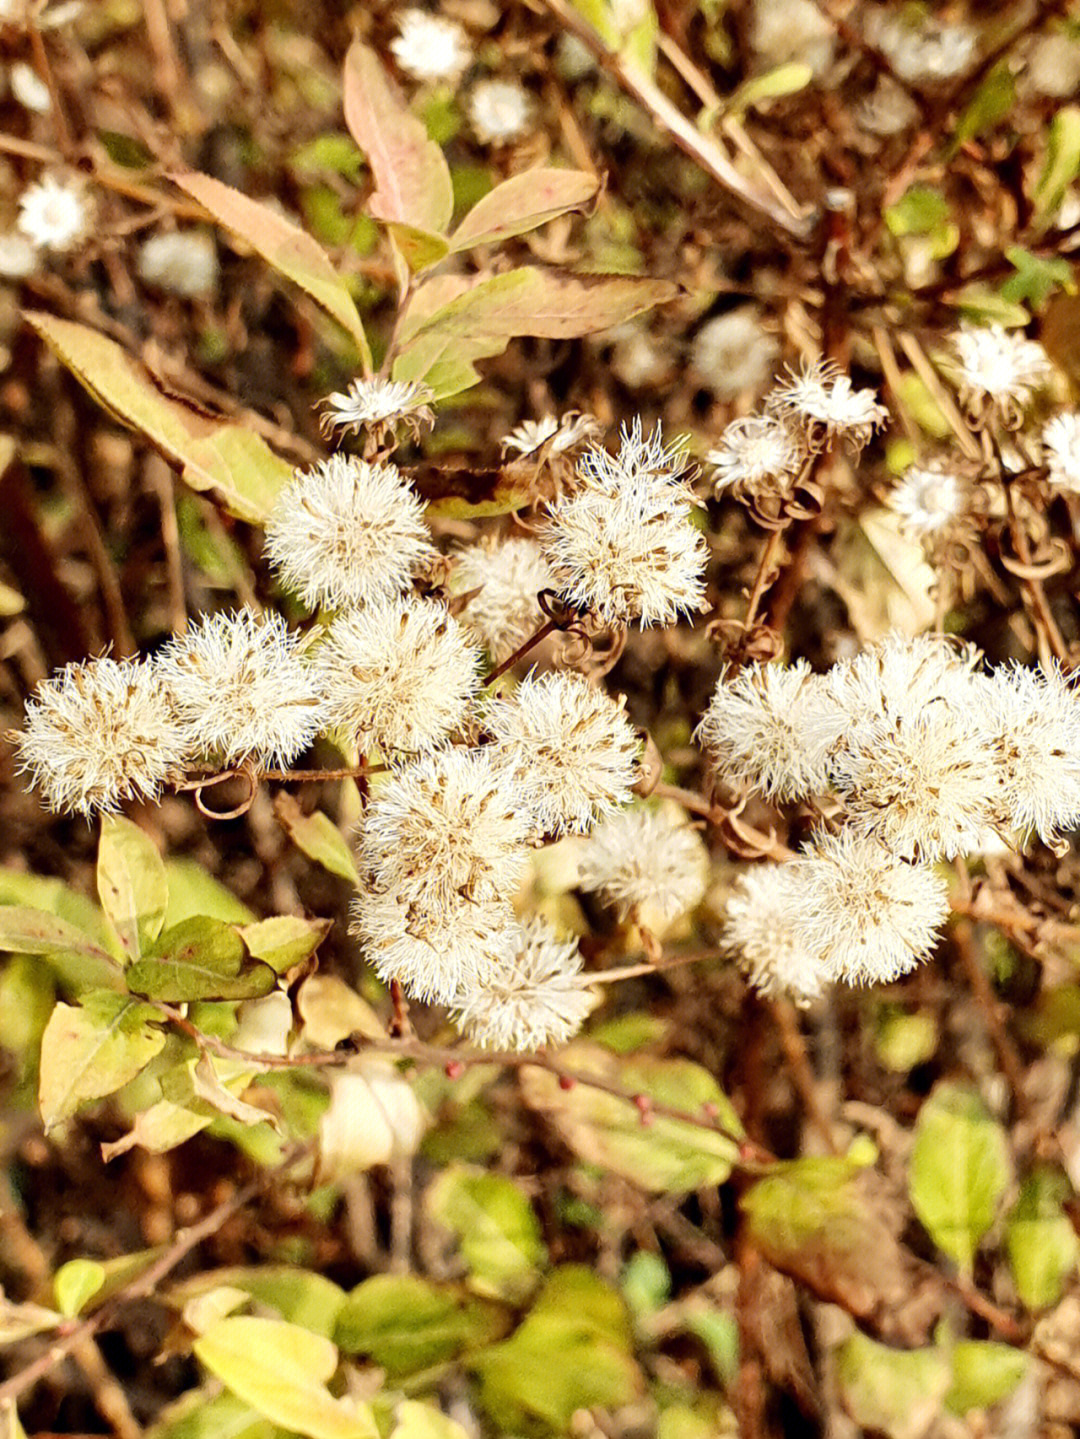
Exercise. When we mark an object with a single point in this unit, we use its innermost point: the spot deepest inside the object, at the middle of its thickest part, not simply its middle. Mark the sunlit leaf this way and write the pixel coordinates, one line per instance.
(204, 1414)
(20, 1321)
(317, 836)
(894, 1392)
(194, 891)
(299, 1295)
(983, 1373)
(93, 1049)
(1062, 164)
(496, 1228)
(131, 882)
(200, 959)
(284, 940)
(75, 1283)
(522, 203)
(413, 1420)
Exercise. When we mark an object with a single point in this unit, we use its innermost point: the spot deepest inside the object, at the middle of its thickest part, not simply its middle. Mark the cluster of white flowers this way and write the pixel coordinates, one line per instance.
(930, 756)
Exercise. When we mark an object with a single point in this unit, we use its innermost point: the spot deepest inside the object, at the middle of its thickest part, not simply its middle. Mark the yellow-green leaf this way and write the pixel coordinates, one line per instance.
(200, 959)
(406, 1324)
(1041, 1242)
(317, 836)
(1062, 164)
(496, 1228)
(522, 203)
(284, 939)
(895, 1392)
(91, 1050)
(71, 952)
(131, 884)
(414, 1420)
(75, 1283)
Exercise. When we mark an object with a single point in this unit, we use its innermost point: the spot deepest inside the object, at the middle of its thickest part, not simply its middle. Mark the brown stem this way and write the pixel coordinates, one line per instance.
(762, 579)
(794, 1046)
(963, 935)
(547, 628)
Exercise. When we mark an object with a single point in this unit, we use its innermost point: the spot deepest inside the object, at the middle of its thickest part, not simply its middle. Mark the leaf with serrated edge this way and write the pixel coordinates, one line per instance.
(522, 203)
(289, 250)
(131, 884)
(92, 1050)
(412, 178)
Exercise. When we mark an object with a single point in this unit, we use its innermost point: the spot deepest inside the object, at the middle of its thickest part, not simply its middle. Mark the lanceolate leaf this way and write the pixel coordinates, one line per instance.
(91, 1050)
(522, 203)
(131, 884)
(225, 458)
(75, 957)
(291, 251)
(412, 179)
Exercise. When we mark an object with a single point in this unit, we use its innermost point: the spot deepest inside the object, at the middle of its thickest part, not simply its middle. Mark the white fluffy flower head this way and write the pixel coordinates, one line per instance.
(242, 689)
(931, 501)
(19, 256)
(565, 433)
(379, 406)
(101, 732)
(533, 998)
(995, 366)
(55, 213)
(1061, 446)
(760, 455)
(397, 674)
(864, 914)
(759, 929)
(346, 533)
(510, 575)
(431, 48)
(733, 353)
(646, 858)
(184, 262)
(571, 746)
(827, 405)
(499, 111)
(919, 52)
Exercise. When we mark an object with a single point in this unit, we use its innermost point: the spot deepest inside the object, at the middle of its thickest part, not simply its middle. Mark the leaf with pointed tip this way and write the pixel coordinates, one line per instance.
(522, 203)
(76, 958)
(317, 836)
(131, 883)
(93, 1049)
(200, 959)
(284, 940)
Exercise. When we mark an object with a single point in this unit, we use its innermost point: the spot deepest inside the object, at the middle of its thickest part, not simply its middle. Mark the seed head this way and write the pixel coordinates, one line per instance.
(646, 857)
(379, 406)
(999, 367)
(759, 456)
(1061, 444)
(182, 261)
(930, 502)
(510, 576)
(759, 929)
(55, 214)
(431, 48)
(827, 406)
(734, 353)
(499, 111)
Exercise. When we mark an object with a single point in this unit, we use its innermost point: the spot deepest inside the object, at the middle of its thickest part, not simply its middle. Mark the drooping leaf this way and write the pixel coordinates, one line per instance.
(20, 1321)
(457, 490)
(282, 1371)
(200, 958)
(331, 1011)
(1041, 1242)
(496, 1228)
(1062, 164)
(412, 178)
(210, 1088)
(299, 1295)
(522, 203)
(76, 958)
(284, 940)
(406, 1324)
(983, 1373)
(228, 459)
(895, 1392)
(960, 1169)
(131, 884)
(317, 836)
(283, 245)
(93, 1049)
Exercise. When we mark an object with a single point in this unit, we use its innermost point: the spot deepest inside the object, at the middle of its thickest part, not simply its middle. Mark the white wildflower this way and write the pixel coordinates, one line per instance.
(759, 456)
(530, 435)
(565, 433)
(733, 353)
(639, 458)
(772, 727)
(1054, 65)
(100, 732)
(648, 858)
(397, 674)
(431, 48)
(759, 928)
(19, 257)
(346, 533)
(499, 111)
(888, 110)
(29, 88)
(571, 746)
(533, 998)
(930, 501)
(864, 914)
(184, 262)
(1061, 451)
(510, 575)
(919, 52)
(826, 404)
(55, 213)
(242, 689)
(998, 366)
(786, 31)
(379, 405)
(899, 674)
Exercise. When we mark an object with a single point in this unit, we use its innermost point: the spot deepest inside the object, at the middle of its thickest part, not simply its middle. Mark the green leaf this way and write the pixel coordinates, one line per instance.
(76, 959)
(1037, 277)
(200, 958)
(665, 1155)
(420, 1421)
(496, 1227)
(317, 836)
(983, 306)
(285, 939)
(299, 1296)
(203, 1414)
(989, 105)
(1062, 165)
(229, 459)
(75, 1283)
(92, 1050)
(919, 211)
(573, 1351)
(412, 179)
(983, 1374)
(522, 203)
(420, 249)
(960, 1169)
(1041, 1242)
(782, 80)
(283, 245)
(282, 1371)
(895, 1392)
(193, 891)
(131, 884)
(36, 891)
(406, 1324)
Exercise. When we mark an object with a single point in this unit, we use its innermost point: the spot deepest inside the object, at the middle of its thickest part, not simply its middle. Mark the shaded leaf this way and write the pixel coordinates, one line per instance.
(317, 836)
(203, 1414)
(983, 1373)
(406, 1324)
(895, 1392)
(460, 490)
(299, 1295)
(1041, 1242)
(283, 245)
(496, 1228)
(284, 940)
(412, 179)
(131, 884)
(989, 105)
(420, 249)
(200, 958)
(75, 957)
(522, 203)
(194, 891)
(93, 1049)
(211, 455)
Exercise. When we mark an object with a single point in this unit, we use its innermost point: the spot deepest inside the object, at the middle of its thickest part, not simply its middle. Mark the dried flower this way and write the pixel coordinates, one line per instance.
(646, 858)
(101, 732)
(1061, 443)
(571, 747)
(510, 576)
(920, 52)
(379, 406)
(55, 213)
(431, 48)
(888, 110)
(184, 262)
(499, 111)
(826, 404)
(397, 674)
(772, 728)
(29, 89)
(759, 456)
(792, 30)
(242, 689)
(347, 533)
(866, 915)
(759, 928)
(19, 256)
(999, 367)
(534, 997)
(930, 501)
(733, 353)
(565, 433)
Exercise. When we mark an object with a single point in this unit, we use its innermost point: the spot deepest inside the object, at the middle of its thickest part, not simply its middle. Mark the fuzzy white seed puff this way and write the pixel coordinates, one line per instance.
(101, 732)
(570, 746)
(920, 52)
(56, 214)
(901, 674)
(772, 728)
(566, 433)
(759, 931)
(242, 688)
(646, 858)
(759, 456)
(999, 367)
(509, 575)
(734, 353)
(184, 262)
(866, 915)
(657, 470)
(1061, 451)
(500, 111)
(827, 406)
(397, 675)
(346, 533)
(379, 406)
(931, 502)
(431, 48)
(533, 998)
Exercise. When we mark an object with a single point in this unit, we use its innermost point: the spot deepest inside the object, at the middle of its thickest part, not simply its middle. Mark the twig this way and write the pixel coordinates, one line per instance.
(794, 1046)
(547, 628)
